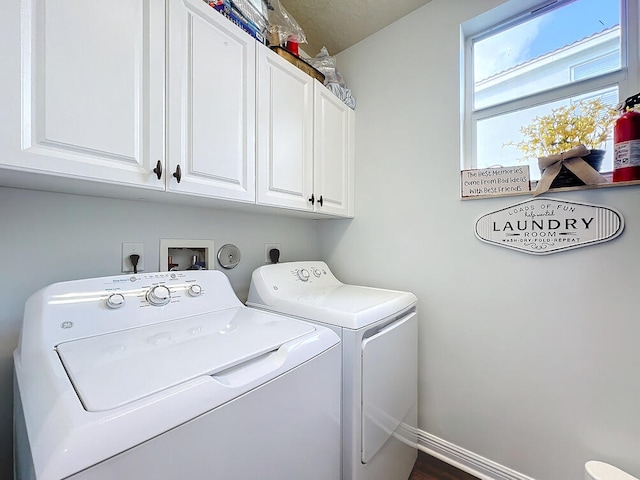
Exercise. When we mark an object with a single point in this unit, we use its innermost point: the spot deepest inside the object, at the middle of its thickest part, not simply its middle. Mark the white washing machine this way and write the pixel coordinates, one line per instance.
(168, 376)
(379, 332)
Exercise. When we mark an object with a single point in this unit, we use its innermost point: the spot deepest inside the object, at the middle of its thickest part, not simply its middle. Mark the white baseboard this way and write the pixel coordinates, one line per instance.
(465, 460)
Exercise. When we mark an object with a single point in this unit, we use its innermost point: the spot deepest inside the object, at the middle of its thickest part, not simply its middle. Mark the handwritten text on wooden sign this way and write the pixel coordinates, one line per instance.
(495, 181)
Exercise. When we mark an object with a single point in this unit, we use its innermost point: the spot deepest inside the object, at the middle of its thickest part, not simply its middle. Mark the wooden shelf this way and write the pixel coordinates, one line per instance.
(553, 190)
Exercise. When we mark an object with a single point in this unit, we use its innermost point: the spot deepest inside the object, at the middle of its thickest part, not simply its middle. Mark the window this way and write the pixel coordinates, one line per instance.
(524, 64)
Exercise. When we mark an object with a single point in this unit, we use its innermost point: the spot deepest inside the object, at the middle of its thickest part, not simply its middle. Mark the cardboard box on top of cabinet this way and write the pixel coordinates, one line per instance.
(298, 62)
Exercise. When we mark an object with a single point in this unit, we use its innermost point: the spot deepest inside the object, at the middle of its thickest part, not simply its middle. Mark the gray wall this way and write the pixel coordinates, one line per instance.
(49, 237)
(532, 362)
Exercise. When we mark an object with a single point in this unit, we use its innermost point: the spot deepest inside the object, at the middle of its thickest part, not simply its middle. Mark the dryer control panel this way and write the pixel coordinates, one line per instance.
(306, 272)
(293, 275)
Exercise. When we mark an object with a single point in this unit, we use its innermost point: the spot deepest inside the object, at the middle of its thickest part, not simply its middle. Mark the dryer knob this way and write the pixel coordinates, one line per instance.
(115, 300)
(194, 290)
(303, 274)
(159, 295)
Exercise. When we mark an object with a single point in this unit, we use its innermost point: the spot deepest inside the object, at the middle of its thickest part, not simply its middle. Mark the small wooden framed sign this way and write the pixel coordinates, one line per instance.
(543, 225)
(495, 181)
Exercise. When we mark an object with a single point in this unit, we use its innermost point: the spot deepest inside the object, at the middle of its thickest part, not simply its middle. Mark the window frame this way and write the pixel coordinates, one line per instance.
(514, 12)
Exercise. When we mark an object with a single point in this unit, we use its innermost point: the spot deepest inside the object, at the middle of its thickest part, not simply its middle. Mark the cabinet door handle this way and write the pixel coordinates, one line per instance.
(312, 199)
(320, 200)
(158, 169)
(178, 174)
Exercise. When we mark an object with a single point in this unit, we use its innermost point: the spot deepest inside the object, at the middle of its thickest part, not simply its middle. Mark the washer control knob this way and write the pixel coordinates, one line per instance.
(194, 290)
(115, 300)
(303, 274)
(159, 295)
(317, 272)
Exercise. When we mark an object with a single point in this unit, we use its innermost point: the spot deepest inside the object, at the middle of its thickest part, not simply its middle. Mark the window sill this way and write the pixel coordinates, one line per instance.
(562, 189)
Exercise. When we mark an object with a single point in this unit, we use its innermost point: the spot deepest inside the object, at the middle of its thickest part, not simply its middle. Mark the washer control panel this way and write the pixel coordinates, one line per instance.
(115, 300)
(158, 295)
(155, 289)
(95, 306)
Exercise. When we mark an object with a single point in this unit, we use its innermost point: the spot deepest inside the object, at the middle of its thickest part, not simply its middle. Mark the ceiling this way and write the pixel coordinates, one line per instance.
(339, 24)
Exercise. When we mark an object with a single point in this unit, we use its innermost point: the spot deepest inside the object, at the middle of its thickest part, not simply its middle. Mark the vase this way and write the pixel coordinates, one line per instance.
(566, 178)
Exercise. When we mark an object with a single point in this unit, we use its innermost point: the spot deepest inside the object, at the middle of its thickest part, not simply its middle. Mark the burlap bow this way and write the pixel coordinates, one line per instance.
(573, 161)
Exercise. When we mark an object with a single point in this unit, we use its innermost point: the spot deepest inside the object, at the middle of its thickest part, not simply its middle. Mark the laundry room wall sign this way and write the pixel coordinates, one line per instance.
(544, 225)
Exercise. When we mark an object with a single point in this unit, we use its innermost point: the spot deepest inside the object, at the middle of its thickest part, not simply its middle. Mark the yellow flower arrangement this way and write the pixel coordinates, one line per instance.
(585, 123)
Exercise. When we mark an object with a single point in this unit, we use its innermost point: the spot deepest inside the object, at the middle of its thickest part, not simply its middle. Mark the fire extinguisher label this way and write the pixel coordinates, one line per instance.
(626, 154)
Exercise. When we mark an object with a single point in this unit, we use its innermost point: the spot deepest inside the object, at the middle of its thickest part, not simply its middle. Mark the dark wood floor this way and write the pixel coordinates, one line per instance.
(430, 468)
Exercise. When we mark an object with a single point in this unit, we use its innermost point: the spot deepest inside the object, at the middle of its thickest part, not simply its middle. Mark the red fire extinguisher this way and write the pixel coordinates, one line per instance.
(626, 143)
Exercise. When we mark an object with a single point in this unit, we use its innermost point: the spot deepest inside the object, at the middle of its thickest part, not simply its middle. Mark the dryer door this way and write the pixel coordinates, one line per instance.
(389, 382)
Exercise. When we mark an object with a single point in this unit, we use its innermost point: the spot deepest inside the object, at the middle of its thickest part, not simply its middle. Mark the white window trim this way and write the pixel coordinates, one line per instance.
(513, 11)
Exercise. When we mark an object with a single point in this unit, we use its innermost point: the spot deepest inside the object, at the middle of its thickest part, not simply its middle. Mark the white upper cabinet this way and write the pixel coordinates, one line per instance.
(167, 100)
(304, 140)
(94, 97)
(92, 90)
(333, 154)
(211, 104)
(285, 133)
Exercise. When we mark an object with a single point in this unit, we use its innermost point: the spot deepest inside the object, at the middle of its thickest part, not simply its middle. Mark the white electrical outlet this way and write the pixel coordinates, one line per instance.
(267, 248)
(131, 248)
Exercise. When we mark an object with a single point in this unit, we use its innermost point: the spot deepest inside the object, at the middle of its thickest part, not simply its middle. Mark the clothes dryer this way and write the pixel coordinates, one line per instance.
(379, 332)
(167, 376)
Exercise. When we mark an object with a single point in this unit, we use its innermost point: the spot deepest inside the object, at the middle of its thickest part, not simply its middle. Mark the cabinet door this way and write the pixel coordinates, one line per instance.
(333, 154)
(285, 133)
(91, 93)
(211, 103)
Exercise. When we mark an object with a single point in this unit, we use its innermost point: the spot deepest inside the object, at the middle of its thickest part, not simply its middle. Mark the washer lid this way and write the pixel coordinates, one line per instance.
(111, 370)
